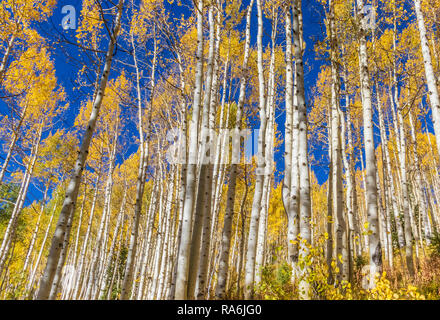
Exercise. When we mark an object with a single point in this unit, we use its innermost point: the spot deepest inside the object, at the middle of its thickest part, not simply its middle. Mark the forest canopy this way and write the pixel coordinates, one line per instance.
(219, 149)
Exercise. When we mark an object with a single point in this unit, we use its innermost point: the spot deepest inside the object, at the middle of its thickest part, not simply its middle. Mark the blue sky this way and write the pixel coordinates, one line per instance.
(312, 31)
(67, 72)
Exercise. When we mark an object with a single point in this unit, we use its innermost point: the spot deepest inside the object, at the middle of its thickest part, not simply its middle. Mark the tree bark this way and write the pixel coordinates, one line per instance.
(72, 190)
(185, 239)
(429, 72)
(375, 253)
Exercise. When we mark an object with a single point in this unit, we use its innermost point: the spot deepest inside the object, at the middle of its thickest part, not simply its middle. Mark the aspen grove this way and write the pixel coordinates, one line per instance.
(219, 149)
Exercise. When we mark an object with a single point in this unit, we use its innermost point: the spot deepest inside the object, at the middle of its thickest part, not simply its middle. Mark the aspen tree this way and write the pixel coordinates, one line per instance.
(81, 262)
(269, 138)
(34, 234)
(72, 190)
(43, 109)
(17, 18)
(336, 150)
(349, 206)
(205, 174)
(290, 180)
(208, 207)
(33, 90)
(419, 184)
(185, 239)
(31, 279)
(261, 165)
(429, 72)
(303, 163)
(227, 228)
(375, 254)
(18, 206)
(142, 171)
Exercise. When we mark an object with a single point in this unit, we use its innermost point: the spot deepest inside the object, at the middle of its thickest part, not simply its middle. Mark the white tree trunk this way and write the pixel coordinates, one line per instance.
(31, 281)
(336, 150)
(185, 239)
(72, 190)
(206, 154)
(227, 228)
(19, 203)
(375, 253)
(303, 162)
(261, 165)
(429, 73)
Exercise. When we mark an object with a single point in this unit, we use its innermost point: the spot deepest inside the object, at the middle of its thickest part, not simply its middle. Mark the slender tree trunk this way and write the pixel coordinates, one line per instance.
(290, 181)
(185, 239)
(227, 228)
(303, 162)
(141, 178)
(35, 233)
(16, 135)
(261, 165)
(19, 203)
(31, 281)
(348, 202)
(406, 205)
(390, 205)
(4, 62)
(57, 279)
(419, 186)
(72, 190)
(206, 154)
(429, 73)
(85, 244)
(208, 205)
(336, 149)
(375, 253)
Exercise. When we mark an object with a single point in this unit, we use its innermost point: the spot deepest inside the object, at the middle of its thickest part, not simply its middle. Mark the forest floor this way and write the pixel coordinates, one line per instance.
(395, 283)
